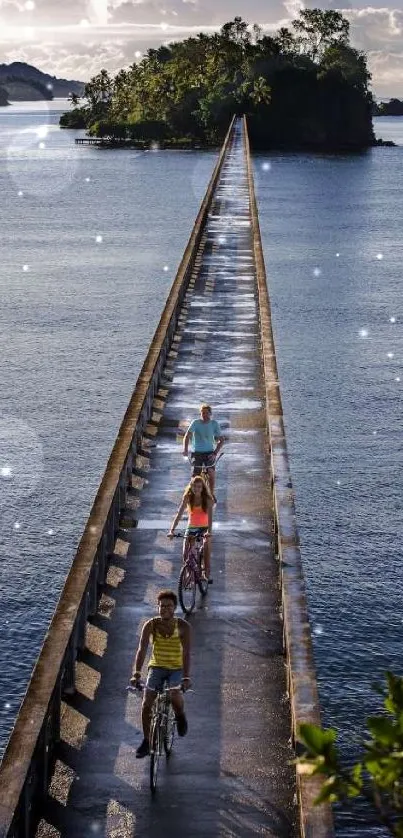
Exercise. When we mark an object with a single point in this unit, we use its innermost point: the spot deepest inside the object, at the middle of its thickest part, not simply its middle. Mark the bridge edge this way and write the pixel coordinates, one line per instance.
(315, 821)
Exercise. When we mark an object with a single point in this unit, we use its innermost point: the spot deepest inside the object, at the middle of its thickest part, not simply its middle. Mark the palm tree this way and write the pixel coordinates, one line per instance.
(74, 99)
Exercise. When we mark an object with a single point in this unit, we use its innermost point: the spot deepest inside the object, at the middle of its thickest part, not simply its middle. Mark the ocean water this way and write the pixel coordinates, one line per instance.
(90, 244)
(332, 233)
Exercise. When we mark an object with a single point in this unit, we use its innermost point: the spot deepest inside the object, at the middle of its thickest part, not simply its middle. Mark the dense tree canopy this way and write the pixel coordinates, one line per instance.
(302, 88)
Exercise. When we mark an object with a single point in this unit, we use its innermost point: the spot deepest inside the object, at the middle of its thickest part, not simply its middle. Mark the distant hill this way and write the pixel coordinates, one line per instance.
(392, 108)
(22, 82)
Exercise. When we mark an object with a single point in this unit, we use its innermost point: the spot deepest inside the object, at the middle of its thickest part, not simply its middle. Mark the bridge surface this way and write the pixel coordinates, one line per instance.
(230, 776)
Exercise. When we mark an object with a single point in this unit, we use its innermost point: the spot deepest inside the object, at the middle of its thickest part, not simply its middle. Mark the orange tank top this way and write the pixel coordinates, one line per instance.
(197, 517)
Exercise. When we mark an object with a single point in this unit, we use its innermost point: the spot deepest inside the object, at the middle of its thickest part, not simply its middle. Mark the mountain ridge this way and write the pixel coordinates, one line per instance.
(24, 82)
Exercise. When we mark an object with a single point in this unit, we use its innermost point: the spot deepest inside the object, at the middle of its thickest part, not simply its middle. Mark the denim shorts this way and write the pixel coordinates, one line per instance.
(157, 676)
(195, 532)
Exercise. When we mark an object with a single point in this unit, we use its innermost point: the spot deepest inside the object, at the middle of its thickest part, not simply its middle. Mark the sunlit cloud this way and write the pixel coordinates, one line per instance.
(75, 39)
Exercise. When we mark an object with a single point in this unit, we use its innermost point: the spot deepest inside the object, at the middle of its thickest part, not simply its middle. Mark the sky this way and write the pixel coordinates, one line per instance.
(75, 39)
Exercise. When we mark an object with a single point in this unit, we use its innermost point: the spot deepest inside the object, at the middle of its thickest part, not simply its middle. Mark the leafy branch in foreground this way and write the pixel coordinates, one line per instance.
(378, 775)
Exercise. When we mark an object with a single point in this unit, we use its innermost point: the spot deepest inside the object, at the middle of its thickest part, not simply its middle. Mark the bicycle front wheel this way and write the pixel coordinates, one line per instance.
(169, 731)
(154, 755)
(202, 582)
(203, 585)
(187, 589)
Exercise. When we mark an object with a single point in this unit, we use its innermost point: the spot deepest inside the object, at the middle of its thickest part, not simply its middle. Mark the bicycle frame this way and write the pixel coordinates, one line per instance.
(204, 470)
(194, 555)
(162, 726)
(162, 731)
(191, 573)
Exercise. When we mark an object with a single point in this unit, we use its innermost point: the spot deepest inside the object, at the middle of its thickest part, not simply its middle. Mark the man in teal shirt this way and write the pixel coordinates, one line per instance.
(206, 440)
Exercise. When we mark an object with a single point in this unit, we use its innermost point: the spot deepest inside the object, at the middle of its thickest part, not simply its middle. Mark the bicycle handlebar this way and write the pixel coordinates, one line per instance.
(182, 535)
(139, 687)
(135, 688)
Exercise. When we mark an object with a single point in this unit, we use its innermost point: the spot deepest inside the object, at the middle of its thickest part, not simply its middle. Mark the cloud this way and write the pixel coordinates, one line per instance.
(330, 5)
(191, 12)
(64, 54)
(45, 12)
(373, 28)
(75, 38)
(387, 68)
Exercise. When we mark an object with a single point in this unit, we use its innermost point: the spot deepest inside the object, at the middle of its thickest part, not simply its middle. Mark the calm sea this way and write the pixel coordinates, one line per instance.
(90, 243)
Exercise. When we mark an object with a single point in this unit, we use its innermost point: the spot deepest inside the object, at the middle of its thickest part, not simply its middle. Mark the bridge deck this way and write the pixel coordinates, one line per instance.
(230, 775)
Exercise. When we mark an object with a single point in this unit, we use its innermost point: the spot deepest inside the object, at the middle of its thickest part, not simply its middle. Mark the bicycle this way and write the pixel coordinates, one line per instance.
(191, 573)
(162, 729)
(203, 470)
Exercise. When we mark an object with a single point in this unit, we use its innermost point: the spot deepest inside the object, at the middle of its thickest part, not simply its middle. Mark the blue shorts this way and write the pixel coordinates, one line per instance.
(157, 676)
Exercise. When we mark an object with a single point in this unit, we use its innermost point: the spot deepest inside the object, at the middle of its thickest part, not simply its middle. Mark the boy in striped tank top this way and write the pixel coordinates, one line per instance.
(169, 662)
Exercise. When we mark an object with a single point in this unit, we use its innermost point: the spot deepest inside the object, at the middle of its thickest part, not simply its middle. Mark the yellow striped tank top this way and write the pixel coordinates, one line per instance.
(167, 651)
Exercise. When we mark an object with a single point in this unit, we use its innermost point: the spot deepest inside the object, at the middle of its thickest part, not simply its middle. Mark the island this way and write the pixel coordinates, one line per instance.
(392, 108)
(301, 88)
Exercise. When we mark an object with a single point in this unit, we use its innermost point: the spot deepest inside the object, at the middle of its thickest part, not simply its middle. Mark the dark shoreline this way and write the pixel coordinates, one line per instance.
(192, 145)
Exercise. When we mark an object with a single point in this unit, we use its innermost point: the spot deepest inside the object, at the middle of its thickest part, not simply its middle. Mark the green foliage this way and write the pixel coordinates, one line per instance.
(74, 98)
(76, 118)
(378, 775)
(317, 30)
(306, 88)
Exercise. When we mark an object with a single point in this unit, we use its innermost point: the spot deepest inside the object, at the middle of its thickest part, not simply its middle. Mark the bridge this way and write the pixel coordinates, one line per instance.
(70, 768)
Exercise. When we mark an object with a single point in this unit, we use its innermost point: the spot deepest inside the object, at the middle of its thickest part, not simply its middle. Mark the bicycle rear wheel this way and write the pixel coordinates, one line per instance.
(187, 589)
(169, 731)
(154, 755)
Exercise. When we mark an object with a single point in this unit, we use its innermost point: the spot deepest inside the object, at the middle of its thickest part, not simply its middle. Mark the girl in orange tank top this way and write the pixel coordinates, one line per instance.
(197, 500)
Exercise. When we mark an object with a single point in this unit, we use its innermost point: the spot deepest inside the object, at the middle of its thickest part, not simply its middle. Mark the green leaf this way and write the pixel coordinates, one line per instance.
(382, 729)
(315, 738)
(355, 786)
(330, 792)
(307, 767)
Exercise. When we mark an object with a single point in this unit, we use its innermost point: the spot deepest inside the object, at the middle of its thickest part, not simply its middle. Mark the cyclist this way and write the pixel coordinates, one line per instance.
(197, 500)
(206, 440)
(169, 663)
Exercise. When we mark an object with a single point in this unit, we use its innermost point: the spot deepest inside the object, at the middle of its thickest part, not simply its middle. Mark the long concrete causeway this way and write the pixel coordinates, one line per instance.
(231, 776)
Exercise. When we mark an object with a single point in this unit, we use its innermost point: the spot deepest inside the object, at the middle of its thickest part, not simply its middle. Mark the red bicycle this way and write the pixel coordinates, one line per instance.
(192, 572)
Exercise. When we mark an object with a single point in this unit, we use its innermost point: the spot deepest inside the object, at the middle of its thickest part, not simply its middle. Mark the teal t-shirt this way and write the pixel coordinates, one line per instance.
(204, 435)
